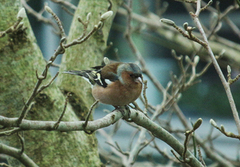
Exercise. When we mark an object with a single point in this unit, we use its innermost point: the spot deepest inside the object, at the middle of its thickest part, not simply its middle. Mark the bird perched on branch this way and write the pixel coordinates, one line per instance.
(116, 83)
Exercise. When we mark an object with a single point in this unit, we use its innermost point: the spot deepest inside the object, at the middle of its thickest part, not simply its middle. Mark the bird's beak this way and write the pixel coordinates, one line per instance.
(139, 79)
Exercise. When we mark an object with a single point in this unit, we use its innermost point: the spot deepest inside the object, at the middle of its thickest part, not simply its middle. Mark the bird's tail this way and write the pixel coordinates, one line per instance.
(88, 75)
(80, 73)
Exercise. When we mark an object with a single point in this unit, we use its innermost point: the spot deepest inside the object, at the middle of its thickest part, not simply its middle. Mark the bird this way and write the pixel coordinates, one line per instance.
(113, 83)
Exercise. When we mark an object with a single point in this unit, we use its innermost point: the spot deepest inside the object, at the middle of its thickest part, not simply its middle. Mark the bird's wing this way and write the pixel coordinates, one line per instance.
(100, 75)
(109, 72)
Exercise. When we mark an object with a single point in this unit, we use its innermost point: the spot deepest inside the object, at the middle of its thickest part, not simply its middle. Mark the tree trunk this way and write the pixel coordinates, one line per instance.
(20, 58)
(85, 55)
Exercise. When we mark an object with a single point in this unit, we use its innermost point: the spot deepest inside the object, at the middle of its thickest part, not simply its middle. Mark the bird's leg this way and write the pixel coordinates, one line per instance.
(129, 111)
(87, 118)
(122, 110)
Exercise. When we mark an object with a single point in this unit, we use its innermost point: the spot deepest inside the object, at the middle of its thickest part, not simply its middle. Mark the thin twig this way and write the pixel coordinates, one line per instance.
(111, 143)
(15, 27)
(145, 96)
(217, 67)
(35, 91)
(223, 131)
(65, 3)
(22, 142)
(13, 152)
(63, 112)
(59, 23)
(188, 35)
(163, 153)
(88, 116)
(48, 84)
(200, 156)
(10, 132)
(39, 15)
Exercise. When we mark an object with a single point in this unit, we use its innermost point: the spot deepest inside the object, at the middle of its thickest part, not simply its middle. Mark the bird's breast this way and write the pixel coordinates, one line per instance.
(117, 94)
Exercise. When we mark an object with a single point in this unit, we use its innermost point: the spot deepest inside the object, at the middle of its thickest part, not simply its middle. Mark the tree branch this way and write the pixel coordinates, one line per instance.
(63, 126)
(217, 67)
(136, 116)
(13, 152)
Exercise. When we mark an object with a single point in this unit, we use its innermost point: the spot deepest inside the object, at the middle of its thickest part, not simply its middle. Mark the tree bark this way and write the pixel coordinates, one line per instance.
(86, 55)
(20, 59)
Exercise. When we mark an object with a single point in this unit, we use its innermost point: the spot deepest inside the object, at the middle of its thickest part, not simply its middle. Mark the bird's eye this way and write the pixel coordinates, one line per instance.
(135, 75)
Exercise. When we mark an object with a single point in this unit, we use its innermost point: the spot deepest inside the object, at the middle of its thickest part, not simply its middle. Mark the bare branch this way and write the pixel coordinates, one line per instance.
(109, 119)
(222, 129)
(17, 25)
(49, 10)
(39, 15)
(22, 142)
(65, 3)
(189, 35)
(230, 80)
(88, 116)
(10, 132)
(63, 112)
(217, 67)
(13, 152)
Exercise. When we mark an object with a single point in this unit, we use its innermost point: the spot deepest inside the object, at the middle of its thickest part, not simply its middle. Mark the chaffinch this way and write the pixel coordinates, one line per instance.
(116, 83)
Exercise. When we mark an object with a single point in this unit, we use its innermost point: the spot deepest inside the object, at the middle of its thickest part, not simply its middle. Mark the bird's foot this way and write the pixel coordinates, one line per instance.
(124, 109)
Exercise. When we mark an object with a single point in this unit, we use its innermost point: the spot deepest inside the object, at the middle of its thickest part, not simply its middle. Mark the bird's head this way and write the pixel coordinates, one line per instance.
(129, 72)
